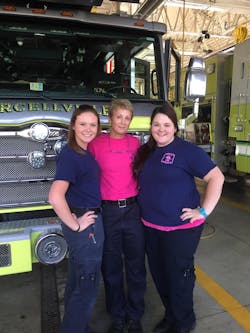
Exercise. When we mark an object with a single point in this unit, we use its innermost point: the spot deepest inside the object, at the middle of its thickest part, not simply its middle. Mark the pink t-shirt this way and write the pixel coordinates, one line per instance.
(115, 157)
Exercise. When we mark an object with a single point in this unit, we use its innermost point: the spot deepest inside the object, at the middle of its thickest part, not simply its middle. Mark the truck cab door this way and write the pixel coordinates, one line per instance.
(173, 72)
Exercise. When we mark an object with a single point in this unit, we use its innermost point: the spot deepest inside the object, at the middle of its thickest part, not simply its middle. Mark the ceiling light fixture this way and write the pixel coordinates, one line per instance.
(193, 5)
(204, 34)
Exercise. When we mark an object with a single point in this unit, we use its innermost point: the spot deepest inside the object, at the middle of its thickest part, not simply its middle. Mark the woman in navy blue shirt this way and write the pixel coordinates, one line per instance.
(76, 199)
(172, 213)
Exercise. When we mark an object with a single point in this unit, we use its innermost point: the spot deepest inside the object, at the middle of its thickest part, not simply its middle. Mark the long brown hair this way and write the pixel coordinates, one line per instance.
(71, 135)
(148, 148)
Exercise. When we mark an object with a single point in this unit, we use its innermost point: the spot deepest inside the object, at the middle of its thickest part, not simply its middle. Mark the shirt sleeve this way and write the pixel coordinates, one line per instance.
(199, 162)
(65, 167)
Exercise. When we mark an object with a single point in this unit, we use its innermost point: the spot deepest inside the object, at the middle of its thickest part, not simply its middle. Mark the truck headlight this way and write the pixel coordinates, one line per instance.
(39, 132)
(58, 146)
(37, 159)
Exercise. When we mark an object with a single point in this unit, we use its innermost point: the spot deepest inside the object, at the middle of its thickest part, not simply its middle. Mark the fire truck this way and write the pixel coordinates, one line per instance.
(55, 56)
(222, 125)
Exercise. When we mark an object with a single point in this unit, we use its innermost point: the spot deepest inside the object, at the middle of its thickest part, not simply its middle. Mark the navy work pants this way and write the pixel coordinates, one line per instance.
(171, 262)
(84, 268)
(124, 246)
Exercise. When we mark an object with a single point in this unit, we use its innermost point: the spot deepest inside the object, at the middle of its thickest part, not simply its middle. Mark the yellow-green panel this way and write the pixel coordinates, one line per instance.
(243, 163)
(24, 209)
(217, 68)
(211, 69)
(178, 111)
(238, 124)
(20, 257)
(140, 123)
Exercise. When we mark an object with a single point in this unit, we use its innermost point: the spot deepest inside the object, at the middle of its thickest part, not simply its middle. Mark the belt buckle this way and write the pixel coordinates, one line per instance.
(122, 203)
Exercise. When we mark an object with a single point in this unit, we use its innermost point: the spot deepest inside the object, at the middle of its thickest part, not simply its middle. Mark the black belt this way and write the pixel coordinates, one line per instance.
(79, 211)
(121, 203)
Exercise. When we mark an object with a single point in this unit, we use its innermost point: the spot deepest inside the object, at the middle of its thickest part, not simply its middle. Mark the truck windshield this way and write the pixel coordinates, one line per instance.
(76, 61)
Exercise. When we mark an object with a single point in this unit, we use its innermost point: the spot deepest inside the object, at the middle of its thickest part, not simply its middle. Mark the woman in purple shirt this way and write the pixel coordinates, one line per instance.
(173, 216)
(76, 198)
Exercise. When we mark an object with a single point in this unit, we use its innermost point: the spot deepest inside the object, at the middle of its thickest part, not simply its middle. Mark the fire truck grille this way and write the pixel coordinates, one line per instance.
(20, 170)
(18, 146)
(5, 255)
(23, 181)
(25, 193)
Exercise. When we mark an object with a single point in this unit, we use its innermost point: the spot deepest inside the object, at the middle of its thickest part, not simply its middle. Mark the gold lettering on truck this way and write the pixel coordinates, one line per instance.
(33, 107)
(5, 107)
(19, 107)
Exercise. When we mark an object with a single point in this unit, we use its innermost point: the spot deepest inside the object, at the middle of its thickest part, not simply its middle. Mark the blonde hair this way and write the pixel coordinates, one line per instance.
(120, 104)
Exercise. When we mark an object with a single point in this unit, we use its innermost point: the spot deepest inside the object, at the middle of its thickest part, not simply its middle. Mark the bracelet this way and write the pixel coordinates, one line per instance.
(77, 230)
(203, 212)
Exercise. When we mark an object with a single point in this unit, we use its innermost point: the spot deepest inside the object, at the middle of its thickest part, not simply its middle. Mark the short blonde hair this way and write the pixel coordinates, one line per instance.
(120, 104)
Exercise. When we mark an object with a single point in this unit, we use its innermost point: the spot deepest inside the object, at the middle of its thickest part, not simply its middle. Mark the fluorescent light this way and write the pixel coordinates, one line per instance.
(192, 5)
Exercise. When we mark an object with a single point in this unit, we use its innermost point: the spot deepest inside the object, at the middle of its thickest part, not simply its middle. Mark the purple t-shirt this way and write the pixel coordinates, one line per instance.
(167, 183)
(82, 172)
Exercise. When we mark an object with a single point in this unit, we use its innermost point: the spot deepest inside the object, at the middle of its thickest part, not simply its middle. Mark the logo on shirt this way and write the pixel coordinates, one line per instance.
(168, 158)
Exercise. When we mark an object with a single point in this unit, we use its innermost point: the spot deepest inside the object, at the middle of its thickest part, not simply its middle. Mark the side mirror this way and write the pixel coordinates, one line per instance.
(195, 80)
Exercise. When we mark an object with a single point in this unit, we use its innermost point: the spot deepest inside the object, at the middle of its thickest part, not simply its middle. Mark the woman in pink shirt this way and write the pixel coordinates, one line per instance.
(124, 237)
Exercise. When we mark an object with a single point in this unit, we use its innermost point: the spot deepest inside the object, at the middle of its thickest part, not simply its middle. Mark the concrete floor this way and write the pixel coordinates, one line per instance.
(20, 302)
(221, 296)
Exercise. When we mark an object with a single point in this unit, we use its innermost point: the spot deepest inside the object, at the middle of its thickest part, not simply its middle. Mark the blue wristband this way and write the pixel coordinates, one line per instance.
(203, 212)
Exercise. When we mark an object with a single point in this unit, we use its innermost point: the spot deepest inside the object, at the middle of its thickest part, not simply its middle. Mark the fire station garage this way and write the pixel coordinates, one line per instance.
(57, 55)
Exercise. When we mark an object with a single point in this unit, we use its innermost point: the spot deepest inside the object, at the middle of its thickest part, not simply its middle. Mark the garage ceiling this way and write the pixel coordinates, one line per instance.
(197, 27)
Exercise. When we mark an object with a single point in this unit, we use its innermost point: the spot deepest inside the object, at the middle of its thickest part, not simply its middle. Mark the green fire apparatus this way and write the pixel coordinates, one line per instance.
(222, 125)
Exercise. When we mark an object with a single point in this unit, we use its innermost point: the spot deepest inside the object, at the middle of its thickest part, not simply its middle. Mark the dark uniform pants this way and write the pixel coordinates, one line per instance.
(124, 244)
(171, 262)
(84, 267)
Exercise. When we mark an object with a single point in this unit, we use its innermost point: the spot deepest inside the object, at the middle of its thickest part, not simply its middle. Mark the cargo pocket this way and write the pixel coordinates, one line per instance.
(88, 274)
(186, 277)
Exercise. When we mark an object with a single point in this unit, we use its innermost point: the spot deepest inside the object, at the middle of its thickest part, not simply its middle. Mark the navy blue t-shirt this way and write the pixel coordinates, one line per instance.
(82, 172)
(167, 184)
